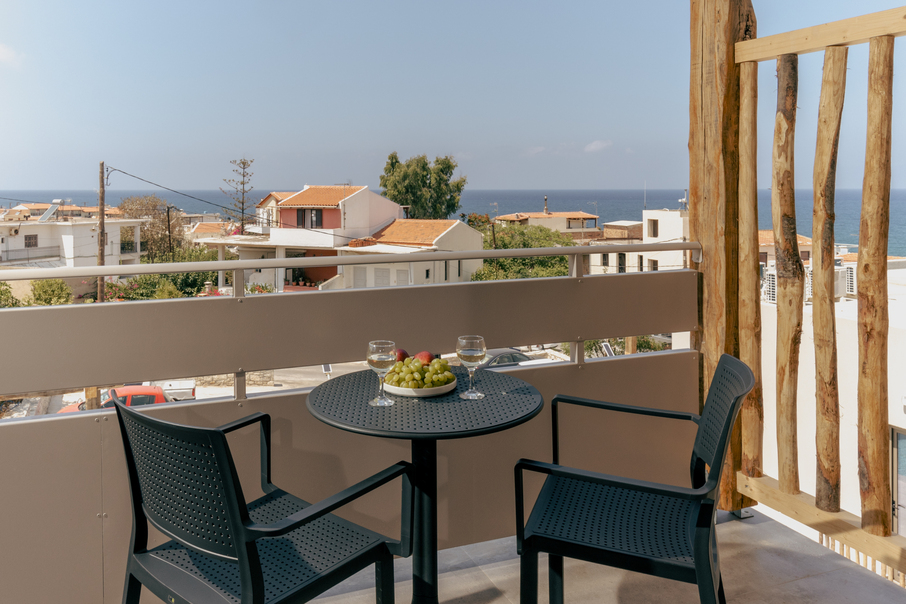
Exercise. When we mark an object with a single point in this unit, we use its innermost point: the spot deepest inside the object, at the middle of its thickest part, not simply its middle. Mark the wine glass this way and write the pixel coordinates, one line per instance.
(381, 357)
(471, 351)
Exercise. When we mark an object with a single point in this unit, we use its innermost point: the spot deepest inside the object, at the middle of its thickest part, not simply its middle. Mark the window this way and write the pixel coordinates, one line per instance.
(652, 265)
(459, 268)
(402, 277)
(315, 221)
(763, 257)
(621, 263)
(641, 263)
(309, 219)
(427, 273)
(652, 228)
(605, 259)
(31, 241)
(446, 271)
(805, 256)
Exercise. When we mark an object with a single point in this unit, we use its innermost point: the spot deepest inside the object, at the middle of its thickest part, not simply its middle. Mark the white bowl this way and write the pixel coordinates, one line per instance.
(420, 392)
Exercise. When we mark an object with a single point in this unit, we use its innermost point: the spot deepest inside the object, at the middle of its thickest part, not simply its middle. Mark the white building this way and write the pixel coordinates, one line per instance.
(846, 313)
(345, 220)
(657, 226)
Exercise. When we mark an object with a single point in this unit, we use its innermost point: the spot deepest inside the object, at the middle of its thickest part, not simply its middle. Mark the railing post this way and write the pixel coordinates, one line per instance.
(827, 397)
(874, 442)
(790, 273)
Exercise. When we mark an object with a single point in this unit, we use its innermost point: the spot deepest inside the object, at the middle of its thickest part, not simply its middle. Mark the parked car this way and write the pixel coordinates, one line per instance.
(132, 395)
(178, 390)
(502, 357)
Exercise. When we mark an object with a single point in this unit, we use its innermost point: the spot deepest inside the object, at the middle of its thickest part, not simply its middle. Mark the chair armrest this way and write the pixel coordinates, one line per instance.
(265, 421)
(328, 505)
(587, 402)
(617, 481)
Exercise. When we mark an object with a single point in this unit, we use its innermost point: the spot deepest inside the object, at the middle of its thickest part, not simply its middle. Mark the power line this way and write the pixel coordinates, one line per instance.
(280, 224)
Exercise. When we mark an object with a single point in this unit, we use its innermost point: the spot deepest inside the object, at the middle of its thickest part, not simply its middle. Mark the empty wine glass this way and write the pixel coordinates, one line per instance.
(381, 357)
(471, 351)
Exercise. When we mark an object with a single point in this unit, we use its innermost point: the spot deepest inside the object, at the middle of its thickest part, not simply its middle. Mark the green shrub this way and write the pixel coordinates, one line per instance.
(7, 299)
(50, 292)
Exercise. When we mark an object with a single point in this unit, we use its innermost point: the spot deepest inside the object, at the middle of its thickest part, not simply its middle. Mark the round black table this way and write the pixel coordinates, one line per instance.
(342, 402)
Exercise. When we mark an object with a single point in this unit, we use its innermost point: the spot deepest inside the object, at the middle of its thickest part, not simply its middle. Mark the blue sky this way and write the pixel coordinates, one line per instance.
(525, 95)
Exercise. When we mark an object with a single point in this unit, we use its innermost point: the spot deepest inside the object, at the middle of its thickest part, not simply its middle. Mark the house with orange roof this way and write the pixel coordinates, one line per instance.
(337, 220)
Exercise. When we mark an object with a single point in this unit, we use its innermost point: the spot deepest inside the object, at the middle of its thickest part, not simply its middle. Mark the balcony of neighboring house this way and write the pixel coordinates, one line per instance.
(29, 254)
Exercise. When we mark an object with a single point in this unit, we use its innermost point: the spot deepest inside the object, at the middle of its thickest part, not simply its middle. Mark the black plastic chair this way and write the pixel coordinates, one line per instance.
(658, 529)
(277, 548)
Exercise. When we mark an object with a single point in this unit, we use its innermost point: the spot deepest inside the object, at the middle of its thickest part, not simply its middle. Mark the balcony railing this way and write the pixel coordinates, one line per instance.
(30, 253)
(67, 475)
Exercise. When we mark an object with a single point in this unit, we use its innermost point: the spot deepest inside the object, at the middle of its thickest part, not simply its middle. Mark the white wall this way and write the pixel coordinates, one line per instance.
(365, 212)
(847, 370)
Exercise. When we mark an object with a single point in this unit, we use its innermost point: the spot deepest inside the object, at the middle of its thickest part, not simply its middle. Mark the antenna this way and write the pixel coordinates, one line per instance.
(494, 203)
(645, 199)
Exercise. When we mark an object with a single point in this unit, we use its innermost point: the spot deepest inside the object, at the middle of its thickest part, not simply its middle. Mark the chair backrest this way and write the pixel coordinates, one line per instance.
(183, 480)
(732, 381)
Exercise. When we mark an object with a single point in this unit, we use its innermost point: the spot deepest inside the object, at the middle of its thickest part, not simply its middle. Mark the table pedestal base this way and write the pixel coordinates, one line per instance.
(424, 546)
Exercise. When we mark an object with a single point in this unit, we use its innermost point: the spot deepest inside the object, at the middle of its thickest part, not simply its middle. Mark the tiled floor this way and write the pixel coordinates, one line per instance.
(762, 562)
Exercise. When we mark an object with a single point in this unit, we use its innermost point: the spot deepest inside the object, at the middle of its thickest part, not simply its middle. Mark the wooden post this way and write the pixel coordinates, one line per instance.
(630, 345)
(751, 416)
(790, 276)
(871, 275)
(827, 397)
(716, 25)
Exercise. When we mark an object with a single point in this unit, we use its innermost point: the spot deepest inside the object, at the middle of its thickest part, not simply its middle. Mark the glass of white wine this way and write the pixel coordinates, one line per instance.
(471, 351)
(381, 357)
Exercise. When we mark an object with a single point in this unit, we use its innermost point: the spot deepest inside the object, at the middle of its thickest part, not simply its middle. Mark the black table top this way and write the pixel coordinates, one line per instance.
(343, 402)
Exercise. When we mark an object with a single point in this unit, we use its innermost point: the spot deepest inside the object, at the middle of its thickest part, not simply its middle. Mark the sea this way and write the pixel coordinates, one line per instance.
(608, 204)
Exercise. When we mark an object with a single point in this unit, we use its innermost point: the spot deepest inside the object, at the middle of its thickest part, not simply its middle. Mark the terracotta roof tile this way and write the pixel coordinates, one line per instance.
(209, 227)
(767, 238)
(328, 196)
(413, 231)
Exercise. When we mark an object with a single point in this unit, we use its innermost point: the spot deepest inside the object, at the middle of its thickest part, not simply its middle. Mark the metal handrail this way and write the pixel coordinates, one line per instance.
(271, 263)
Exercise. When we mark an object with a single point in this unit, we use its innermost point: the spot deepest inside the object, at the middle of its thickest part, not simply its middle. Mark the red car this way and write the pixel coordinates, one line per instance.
(132, 395)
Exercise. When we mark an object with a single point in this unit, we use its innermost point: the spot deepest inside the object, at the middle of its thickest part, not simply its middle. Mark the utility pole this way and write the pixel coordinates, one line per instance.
(101, 233)
(169, 238)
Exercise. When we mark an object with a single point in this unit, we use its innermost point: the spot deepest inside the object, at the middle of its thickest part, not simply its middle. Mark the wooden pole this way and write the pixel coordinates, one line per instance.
(101, 232)
(716, 25)
(790, 276)
(871, 276)
(751, 416)
(827, 396)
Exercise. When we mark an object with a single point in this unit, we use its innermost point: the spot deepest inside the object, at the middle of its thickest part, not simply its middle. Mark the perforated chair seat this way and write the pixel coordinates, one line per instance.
(622, 521)
(289, 563)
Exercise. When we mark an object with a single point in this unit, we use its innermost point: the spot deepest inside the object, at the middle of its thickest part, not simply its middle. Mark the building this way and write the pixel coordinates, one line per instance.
(339, 220)
(657, 226)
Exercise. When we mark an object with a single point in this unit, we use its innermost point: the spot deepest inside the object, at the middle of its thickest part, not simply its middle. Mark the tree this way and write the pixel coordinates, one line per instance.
(7, 299)
(241, 187)
(162, 233)
(427, 189)
(521, 237)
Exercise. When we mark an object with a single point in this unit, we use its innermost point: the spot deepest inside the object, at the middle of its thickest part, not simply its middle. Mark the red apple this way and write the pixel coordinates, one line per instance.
(425, 357)
(401, 355)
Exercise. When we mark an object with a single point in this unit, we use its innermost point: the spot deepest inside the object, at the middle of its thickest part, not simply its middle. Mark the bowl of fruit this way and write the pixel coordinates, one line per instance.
(420, 375)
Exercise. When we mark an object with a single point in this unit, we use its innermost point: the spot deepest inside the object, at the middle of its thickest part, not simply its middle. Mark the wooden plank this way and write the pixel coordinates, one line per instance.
(873, 323)
(841, 526)
(752, 413)
(790, 275)
(857, 30)
(827, 396)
